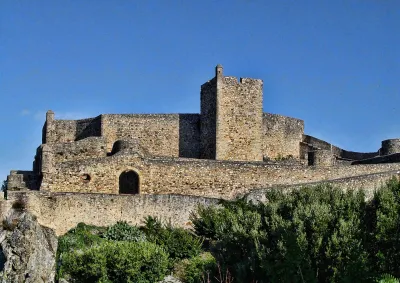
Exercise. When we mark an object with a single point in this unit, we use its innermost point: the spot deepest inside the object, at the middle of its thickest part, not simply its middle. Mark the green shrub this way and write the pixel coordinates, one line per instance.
(122, 231)
(77, 239)
(177, 242)
(307, 235)
(120, 262)
(384, 229)
(195, 270)
(387, 278)
(80, 237)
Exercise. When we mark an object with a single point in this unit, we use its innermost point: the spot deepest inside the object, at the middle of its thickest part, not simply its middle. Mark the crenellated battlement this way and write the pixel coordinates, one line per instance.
(242, 81)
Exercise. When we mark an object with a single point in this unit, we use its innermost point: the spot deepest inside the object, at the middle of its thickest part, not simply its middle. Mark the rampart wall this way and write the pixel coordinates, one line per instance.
(310, 141)
(175, 135)
(62, 131)
(281, 136)
(219, 179)
(391, 158)
(87, 148)
(88, 128)
(62, 212)
(22, 179)
(50, 153)
(161, 134)
(390, 146)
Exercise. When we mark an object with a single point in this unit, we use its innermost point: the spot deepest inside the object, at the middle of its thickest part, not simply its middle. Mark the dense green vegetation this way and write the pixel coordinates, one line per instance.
(319, 234)
(125, 253)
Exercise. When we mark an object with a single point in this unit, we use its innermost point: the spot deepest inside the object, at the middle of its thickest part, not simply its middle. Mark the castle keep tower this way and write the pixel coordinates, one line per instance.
(232, 118)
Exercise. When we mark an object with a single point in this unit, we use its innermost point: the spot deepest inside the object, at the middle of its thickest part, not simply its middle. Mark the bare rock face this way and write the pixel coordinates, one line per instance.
(28, 250)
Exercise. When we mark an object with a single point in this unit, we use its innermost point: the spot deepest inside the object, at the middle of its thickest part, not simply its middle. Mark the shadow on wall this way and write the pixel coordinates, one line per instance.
(88, 128)
(23, 179)
(189, 135)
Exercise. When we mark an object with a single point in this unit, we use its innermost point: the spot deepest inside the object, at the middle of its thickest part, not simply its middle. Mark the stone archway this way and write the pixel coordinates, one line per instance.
(129, 182)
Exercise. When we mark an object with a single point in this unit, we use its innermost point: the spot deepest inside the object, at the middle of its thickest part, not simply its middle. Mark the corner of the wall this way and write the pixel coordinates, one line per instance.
(48, 128)
(219, 72)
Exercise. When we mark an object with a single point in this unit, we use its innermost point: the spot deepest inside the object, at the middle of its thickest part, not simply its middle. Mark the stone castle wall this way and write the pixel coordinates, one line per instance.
(310, 143)
(161, 134)
(220, 179)
(194, 135)
(390, 146)
(231, 126)
(158, 133)
(63, 131)
(239, 119)
(22, 179)
(62, 212)
(88, 128)
(321, 157)
(174, 135)
(83, 149)
(281, 136)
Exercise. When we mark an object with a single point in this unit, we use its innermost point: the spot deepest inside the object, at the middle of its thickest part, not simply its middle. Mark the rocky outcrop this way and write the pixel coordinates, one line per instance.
(28, 250)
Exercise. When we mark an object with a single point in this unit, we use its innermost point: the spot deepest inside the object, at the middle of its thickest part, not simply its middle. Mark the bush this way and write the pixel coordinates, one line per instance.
(77, 239)
(80, 237)
(177, 242)
(116, 262)
(195, 270)
(387, 278)
(383, 229)
(307, 235)
(122, 231)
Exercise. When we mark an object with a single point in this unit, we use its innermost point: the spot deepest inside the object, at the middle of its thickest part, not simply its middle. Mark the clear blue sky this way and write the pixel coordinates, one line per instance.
(334, 64)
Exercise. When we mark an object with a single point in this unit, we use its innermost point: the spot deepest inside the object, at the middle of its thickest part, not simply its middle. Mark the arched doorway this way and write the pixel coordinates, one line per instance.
(129, 182)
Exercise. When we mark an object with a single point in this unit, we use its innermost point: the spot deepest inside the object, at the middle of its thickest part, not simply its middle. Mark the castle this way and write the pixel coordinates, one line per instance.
(232, 148)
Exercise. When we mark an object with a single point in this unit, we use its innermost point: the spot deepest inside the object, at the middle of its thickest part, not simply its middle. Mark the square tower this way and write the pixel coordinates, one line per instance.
(231, 118)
